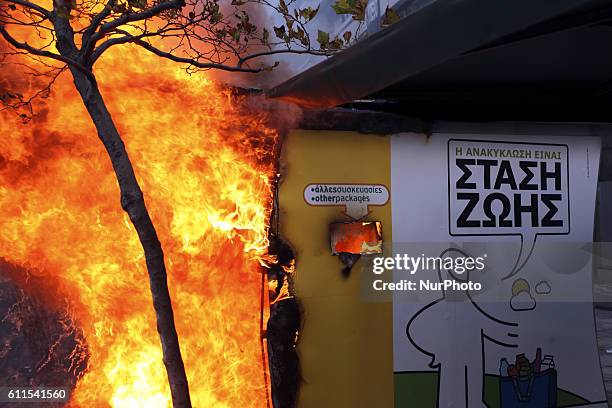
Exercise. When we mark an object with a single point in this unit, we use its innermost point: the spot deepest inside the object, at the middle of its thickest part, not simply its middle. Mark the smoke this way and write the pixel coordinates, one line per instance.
(275, 114)
(280, 115)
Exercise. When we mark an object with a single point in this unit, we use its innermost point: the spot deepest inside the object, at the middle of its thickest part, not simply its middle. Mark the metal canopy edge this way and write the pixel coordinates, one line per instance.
(437, 33)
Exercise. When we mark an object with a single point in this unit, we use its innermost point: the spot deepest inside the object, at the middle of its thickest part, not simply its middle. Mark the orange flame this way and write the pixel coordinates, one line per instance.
(205, 167)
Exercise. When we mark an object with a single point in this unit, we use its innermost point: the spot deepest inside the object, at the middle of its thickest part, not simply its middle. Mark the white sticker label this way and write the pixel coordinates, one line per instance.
(355, 197)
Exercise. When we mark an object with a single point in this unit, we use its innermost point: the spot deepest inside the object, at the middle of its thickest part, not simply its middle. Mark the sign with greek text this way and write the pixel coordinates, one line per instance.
(354, 197)
(516, 329)
(498, 188)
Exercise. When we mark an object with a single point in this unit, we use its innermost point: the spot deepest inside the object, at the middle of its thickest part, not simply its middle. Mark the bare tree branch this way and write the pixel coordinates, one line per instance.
(42, 53)
(95, 23)
(43, 92)
(193, 62)
(32, 6)
(327, 53)
(124, 39)
(133, 17)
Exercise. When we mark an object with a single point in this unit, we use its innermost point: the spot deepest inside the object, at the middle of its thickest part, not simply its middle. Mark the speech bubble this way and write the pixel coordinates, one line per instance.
(354, 197)
(500, 188)
(528, 241)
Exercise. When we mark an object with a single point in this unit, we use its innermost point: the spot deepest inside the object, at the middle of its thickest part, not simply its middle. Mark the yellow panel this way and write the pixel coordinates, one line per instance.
(345, 346)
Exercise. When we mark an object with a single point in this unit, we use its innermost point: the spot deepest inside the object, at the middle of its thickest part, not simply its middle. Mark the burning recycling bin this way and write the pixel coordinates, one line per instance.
(440, 189)
(350, 240)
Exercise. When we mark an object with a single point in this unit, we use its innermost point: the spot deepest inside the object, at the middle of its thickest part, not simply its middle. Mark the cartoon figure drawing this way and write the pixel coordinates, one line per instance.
(464, 325)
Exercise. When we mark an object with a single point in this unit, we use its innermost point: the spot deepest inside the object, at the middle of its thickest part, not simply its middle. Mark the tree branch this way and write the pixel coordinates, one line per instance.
(132, 17)
(126, 38)
(42, 53)
(190, 61)
(106, 45)
(32, 6)
(43, 92)
(242, 60)
(95, 23)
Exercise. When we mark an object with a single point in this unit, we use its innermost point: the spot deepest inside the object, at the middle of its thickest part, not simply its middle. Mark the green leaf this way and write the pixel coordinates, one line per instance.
(313, 12)
(336, 44)
(301, 35)
(289, 23)
(359, 10)
(245, 23)
(234, 32)
(280, 32)
(341, 7)
(323, 38)
(265, 38)
(356, 8)
(390, 17)
(283, 7)
(347, 36)
(216, 17)
(309, 13)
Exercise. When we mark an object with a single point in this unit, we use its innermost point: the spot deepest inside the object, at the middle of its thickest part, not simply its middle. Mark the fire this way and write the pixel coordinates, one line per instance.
(205, 167)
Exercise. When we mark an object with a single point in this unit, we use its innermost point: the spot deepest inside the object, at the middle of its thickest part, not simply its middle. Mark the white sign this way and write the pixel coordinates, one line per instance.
(354, 197)
(494, 195)
(499, 188)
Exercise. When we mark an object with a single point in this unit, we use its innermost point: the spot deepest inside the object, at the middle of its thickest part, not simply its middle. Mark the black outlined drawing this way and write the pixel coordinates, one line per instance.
(528, 237)
(521, 299)
(460, 360)
(543, 288)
